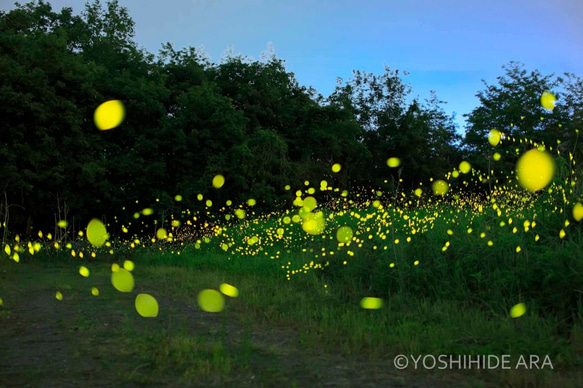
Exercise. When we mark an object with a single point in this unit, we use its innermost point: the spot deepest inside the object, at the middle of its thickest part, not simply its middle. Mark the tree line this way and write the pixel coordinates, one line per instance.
(188, 120)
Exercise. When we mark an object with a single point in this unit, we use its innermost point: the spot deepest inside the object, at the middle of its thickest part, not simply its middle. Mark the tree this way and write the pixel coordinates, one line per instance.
(46, 90)
(305, 136)
(514, 108)
(58, 68)
(572, 106)
(393, 129)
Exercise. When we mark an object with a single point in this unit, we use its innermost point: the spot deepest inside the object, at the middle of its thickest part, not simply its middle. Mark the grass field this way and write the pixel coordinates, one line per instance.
(454, 274)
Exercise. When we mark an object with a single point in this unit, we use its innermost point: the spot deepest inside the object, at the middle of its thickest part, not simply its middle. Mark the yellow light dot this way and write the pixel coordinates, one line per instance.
(547, 100)
(535, 170)
(128, 265)
(148, 211)
(114, 267)
(96, 233)
(578, 211)
(146, 305)
(178, 198)
(371, 303)
(494, 137)
(440, 187)
(218, 181)
(314, 223)
(211, 301)
(62, 224)
(465, 167)
(418, 192)
(518, 249)
(310, 203)
(84, 271)
(59, 296)
(497, 156)
(518, 310)
(336, 167)
(344, 234)
(562, 233)
(122, 280)
(393, 162)
(416, 262)
(109, 115)
(229, 290)
(94, 291)
(161, 234)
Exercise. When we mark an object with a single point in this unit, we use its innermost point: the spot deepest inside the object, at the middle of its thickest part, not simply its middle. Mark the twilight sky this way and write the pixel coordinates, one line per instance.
(446, 45)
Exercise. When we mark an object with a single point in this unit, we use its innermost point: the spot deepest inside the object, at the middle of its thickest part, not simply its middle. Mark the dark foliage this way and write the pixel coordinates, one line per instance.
(189, 120)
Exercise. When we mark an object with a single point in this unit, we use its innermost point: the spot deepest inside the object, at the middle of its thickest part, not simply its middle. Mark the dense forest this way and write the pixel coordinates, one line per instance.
(188, 120)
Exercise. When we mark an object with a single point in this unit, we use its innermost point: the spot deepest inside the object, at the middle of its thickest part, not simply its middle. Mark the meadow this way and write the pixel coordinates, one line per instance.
(168, 221)
(328, 290)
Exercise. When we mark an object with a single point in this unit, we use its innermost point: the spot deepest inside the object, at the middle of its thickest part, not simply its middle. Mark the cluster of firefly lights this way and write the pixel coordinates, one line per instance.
(534, 170)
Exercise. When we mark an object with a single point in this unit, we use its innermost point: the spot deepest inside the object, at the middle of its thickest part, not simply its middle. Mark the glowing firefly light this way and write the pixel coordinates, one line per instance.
(494, 137)
(547, 100)
(109, 115)
(535, 169)
(211, 301)
(371, 303)
(218, 181)
(393, 162)
(518, 310)
(146, 306)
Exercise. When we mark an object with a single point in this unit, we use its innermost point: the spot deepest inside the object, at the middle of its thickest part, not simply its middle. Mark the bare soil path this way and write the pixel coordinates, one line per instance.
(101, 341)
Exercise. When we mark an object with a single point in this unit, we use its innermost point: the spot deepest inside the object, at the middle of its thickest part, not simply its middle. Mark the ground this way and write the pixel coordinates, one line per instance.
(101, 341)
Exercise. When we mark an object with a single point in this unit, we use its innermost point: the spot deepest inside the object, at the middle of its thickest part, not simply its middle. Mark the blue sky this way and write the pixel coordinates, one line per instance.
(446, 45)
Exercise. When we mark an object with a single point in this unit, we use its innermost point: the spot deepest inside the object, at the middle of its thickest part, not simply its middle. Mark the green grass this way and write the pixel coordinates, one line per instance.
(271, 321)
(448, 273)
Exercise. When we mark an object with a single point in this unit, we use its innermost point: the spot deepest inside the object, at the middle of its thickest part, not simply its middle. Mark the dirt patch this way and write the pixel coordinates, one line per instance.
(101, 341)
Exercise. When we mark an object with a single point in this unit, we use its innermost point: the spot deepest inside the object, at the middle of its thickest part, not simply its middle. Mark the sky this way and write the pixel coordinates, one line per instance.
(447, 46)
